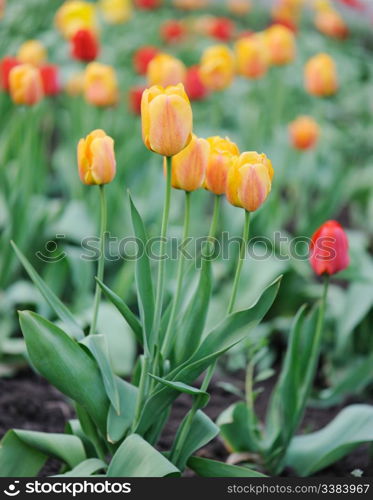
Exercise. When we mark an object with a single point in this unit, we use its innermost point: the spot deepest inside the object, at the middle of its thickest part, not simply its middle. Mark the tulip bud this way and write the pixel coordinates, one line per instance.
(26, 86)
(221, 28)
(100, 85)
(32, 52)
(49, 76)
(280, 42)
(116, 11)
(167, 119)
(223, 154)
(172, 31)
(239, 7)
(84, 46)
(142, 58)
(217, 67)
(165, 70)
(320, 76)
(304, 132)
(330, 23)
(75, 15)
(329, 249)
(249, 181)
(252, 56)
(96, 158)
(194, 86)
(6, 65)
(189, 166)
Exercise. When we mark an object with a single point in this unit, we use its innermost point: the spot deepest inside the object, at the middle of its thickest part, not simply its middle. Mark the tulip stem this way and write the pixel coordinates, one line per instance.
(160, 277)
(215, 217)
(179, 281)
(241, 258)
(101, 261)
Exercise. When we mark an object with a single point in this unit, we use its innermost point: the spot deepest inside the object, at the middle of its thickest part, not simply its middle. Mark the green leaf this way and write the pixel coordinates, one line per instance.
(237, 426)
(118, 424)
(97, 345)
(205, 467)
(23, 453)
(184, 388)
(125, 311)
(65, 364)
(315, 451)
(85, 469)
(137, 458)
(144, 284)
(59, 308)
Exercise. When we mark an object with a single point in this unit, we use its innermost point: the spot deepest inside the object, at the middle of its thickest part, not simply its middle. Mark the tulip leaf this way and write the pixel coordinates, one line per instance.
(238, 427)
(135, 457)
(59, 308)
(144, 284)
(312, 452)
(118, 424)
(184, 388)
(125, 311)
(98, 347)
(23, 453)
(205, 467)
(85, 469)
(65, 364)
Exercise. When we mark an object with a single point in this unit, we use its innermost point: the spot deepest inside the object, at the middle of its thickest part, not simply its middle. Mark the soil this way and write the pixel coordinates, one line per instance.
(27, 401)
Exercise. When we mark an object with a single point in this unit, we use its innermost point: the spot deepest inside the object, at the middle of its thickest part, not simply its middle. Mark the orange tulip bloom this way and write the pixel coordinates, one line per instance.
(32, 52)
(223, 154)
(189, 166)
(252, 56)
(331, 24)
(281, 44)
(165, 70)
(321, 76)
(96, 158)
(217, 67)
(100, 85)
(25, 84)
(304, 132)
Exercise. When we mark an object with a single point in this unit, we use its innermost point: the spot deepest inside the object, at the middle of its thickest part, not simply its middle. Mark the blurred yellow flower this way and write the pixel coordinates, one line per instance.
(100, 85)
(252, 56)
(189, 166)
(320, 75)
(167, 119)
(239, 7)
(304, 132)
(116, 11)
(74, 15)
(217, 67)
(281, 44)
(32, 52)
(223, 154)
(165, 70)
(96, 158)
(25, 85)
(330, 23)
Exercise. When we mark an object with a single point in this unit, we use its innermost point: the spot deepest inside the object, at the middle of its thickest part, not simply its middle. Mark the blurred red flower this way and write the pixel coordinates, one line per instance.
(148, 4)
(135, 95)
(329, 249)
(172, 31)
(6, 65)
(221, 28)
(355, 4)
(142, 58)
(84, 46)
(50, 80)
(194, 86)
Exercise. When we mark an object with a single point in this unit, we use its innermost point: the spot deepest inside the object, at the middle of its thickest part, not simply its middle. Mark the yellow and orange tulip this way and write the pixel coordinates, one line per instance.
(217, 67)
(223, 154)
(25, 85)
(189, 166)
(252, 56)
(75, 15)
(96, 158)
(330, 23)
(116, 11)
(280, 42)
(165, 70)
(320, 76)
(100, 85)
(32, 52)
(304, 133)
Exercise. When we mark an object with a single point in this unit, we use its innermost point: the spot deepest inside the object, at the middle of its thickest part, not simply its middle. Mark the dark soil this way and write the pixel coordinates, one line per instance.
(28, 402)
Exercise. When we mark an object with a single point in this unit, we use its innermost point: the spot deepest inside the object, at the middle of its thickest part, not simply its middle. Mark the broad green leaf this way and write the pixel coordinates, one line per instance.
(86, 430)
(144, 284)
(186, 389)
(74, 427)
(125, 311)
(205, 467)
(65, 364)
(118, 424)
(202, 431)
(137, 458)
(236, 430)
(85, 469)
(59, 308)
(97, 345)
(23, 453)
(312, 452)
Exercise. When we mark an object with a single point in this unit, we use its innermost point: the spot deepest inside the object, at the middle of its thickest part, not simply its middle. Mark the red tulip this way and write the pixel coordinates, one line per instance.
(329, 249)
(49, 76)
(84, 46)
(6, 65)
(172, 31)
(135, 96)
(194, 86)
(142, 58)
(354, 4)
(222, 29)
(148, 4)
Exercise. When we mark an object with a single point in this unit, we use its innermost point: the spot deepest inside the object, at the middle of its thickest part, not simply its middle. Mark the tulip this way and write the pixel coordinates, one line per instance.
(167, 119)
(329, 249)
(142, 58)
(252, 56)
(239, 7)
(75, 84)
(75, 15)
(249, 181)
(194, 86)
(321, 76)
(189, 166)
(6, 65)
(165, 70)
(190, 4)
(135, 96)
(217, 67)
(148, 4)
(223, 154)
(25, 84)
(280, 42)
(116, 11)
(172, 31)
(32, 52)
(100, 85)
(330, 23)
(304, 132)
(84, 46)
(222, 29)
(49, 76)
(96, 158)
